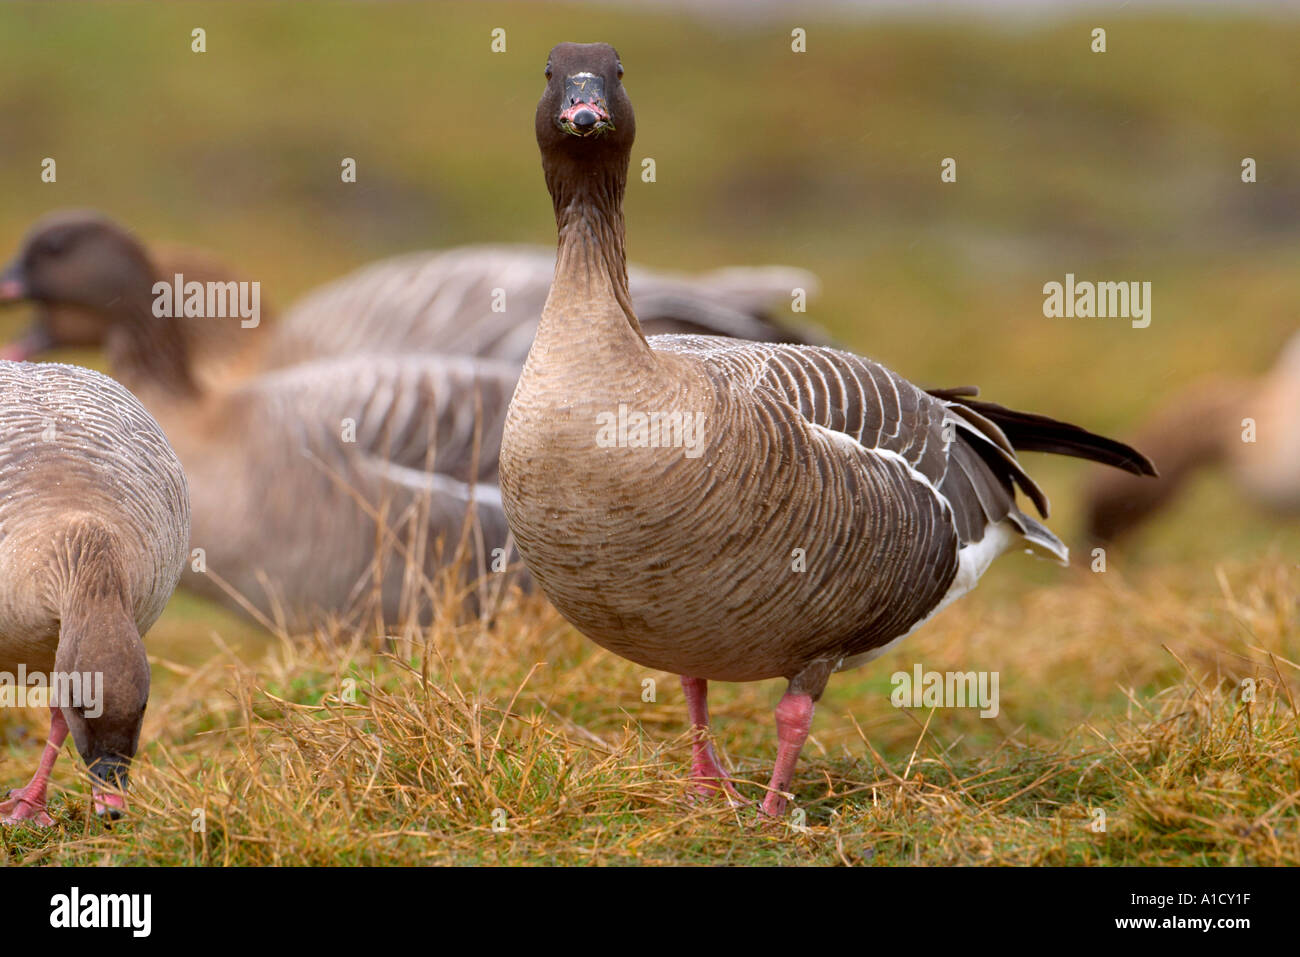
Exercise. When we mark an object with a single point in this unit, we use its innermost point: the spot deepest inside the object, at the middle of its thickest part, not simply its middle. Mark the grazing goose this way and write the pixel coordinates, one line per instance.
(443, 302)
(94, 522)
(293, 471)
(1204, 426)
(737, 511)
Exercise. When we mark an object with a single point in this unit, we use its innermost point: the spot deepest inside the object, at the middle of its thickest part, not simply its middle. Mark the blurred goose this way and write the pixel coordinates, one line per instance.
(296, 474)
(487, 301)
(94, 522)
(478, 300)
(222, 350)
(737, 511)
(1204, 426)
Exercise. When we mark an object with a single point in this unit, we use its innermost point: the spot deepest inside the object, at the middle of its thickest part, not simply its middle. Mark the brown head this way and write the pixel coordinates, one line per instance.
(91, 283)
(585, 125)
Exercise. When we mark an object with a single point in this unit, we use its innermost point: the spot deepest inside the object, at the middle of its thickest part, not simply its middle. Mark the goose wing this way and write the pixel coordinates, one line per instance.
(964, 459)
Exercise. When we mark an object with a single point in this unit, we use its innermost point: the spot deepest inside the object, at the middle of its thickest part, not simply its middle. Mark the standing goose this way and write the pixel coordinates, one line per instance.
(665, 492)
(1250, 426)
(445, 302)
(292, 472)
(94, 523)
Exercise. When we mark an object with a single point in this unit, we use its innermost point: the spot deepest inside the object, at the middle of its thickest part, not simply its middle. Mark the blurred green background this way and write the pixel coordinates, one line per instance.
(1120, 166)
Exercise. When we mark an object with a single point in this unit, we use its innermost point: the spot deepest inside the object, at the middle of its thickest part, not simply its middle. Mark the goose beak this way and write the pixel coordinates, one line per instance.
(585, 112)
(109, 805)
(12, 287)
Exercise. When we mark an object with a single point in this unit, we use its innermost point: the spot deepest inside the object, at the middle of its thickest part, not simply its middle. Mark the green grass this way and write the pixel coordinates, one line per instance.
(1121, 166)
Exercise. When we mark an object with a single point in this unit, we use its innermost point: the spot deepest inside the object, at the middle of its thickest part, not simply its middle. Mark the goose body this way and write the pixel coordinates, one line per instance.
(94, 527)
(328, 490)
(828, 508)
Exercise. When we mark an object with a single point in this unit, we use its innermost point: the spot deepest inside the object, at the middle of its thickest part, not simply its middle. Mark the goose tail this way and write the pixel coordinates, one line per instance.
(1030, 432)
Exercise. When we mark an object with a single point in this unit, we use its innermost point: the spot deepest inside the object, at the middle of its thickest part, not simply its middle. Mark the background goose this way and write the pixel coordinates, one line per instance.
(294, 471)
(829, 508)
(443, 302)
(94, 521)
(1203, 426)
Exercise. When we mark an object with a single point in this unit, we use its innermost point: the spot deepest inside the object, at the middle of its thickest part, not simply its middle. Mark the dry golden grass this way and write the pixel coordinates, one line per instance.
(516, 741)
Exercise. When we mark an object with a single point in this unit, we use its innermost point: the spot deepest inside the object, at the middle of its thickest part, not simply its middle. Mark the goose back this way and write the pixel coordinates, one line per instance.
(83, 466)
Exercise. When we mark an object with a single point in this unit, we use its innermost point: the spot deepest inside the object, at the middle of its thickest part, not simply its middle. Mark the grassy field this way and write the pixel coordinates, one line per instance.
(1120, 691)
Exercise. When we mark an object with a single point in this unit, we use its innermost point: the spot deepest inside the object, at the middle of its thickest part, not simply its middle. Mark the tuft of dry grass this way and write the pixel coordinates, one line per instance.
(515, 741)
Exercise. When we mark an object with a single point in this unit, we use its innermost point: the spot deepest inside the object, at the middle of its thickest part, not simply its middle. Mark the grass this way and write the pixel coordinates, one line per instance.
(517, 741)
(1120, 691)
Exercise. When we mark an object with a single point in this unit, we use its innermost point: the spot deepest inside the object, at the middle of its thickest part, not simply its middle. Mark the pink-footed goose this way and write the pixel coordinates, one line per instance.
(481, 301)
(294, 471)
(672, 542)
(1251, 427)
(94, 524)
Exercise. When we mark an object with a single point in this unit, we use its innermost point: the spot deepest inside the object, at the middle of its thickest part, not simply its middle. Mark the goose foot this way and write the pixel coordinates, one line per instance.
(794, 716)
(706, 770)
(28, 804)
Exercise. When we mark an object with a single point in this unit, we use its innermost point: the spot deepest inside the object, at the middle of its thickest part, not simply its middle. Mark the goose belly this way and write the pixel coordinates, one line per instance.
(722, 568)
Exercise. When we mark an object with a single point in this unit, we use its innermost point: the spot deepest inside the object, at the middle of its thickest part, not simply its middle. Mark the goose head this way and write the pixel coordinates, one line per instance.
(584, 110)
(77, 268)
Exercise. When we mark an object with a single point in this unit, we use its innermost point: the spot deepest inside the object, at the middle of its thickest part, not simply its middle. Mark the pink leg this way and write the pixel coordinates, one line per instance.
(705, 766)
(28, 804)
(794, 716)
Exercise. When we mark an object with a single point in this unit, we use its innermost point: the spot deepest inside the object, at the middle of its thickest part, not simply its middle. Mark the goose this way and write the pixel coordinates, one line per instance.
(94, 523)
(294, 472)
(446, 302)
(222, 350)
(759, 510)
(1251, 427)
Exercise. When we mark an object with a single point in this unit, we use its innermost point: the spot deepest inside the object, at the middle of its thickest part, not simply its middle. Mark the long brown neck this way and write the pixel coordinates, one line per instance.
(148, 351)
(589, 299)
(100, 644)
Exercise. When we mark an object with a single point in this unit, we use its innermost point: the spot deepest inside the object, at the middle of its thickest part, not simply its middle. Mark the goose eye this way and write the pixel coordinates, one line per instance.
(620, 71)
(548, 71)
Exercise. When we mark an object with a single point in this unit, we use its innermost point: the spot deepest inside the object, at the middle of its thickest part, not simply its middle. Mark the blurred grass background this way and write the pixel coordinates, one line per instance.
(1118, 166)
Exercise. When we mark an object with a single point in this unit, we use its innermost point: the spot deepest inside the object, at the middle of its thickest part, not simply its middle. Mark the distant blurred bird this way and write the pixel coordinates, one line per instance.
(1250, 427)
(320, 490)
(94, 531)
